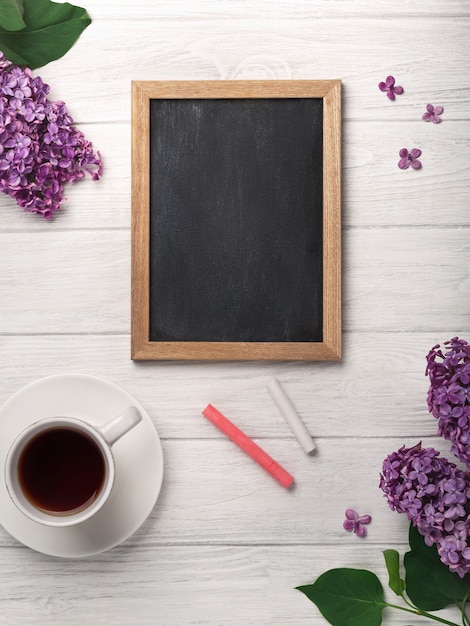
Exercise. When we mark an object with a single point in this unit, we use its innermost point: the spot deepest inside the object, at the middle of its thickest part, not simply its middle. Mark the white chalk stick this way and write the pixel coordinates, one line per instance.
(288, 412)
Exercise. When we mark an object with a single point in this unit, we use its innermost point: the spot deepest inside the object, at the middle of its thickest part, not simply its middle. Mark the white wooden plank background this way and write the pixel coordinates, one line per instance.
(225, 544)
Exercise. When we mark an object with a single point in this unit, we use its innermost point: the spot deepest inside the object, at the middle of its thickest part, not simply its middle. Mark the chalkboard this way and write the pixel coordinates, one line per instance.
(236, 220)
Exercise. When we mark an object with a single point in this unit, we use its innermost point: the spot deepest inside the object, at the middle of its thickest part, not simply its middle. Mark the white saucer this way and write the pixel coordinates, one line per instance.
(138, 458)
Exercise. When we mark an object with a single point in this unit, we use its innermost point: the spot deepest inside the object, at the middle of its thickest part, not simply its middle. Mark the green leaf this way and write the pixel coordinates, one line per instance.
(11, 17)
(430, 584)
(51, 30)
(392, 561)
(348, 597)
(417, 544)
(421, 584)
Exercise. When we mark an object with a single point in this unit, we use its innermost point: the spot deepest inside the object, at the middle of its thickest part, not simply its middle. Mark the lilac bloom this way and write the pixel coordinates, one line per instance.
(31, 111)
(461, 530)
(450, 411)
(412, 504)
(8, 84)
(390, 88)
(409, 158)
(18, 141)
(40, 148)
(466, 554)
(355, 523)
(449, 550)
(441, 513)
(454, 490)
(448, 369)
(16, 83)
(432, 114)
(433, 516)
(40, 88)
(6, 162)
(453, 393)
(4, 62)
(462, 375)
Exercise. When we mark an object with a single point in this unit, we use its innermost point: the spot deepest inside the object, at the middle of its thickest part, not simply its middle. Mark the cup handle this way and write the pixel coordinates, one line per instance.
(120, 425)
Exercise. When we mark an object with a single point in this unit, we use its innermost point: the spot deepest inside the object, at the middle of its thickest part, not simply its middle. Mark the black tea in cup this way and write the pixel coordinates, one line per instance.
(61, 470)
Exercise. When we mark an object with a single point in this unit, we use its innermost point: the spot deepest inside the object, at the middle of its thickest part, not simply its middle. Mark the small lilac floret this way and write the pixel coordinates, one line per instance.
(441, 514)
(356, 523)
(390, 88)
(40, 149)
(409, 158)
(432, 114)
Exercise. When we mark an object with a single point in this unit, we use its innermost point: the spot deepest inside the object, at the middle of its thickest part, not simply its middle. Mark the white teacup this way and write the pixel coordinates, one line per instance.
(60, 470)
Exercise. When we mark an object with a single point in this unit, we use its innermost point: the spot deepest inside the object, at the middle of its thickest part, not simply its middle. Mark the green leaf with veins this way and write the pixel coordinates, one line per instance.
(11, 17)
(348, 597)
(50, 31)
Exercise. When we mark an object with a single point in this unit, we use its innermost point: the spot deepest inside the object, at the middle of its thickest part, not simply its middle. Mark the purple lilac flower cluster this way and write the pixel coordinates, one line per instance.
(40, 149)
(449, 394)
(435, 496)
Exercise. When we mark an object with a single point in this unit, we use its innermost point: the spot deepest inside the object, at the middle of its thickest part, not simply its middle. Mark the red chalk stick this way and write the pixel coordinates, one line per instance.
(249, 446)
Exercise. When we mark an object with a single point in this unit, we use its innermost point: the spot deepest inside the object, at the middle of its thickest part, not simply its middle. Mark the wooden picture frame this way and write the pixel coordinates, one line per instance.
(144, 93)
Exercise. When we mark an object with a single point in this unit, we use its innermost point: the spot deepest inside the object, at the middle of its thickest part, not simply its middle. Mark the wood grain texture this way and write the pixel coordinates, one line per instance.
(310, 48)
(374, 191)
(225, 544)
(212, 585)
(384, 274)
(280, 9)
(378, 390)
(225, 498)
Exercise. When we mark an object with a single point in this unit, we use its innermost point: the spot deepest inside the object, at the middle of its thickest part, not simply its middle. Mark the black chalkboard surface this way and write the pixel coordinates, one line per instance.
(229, 247)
